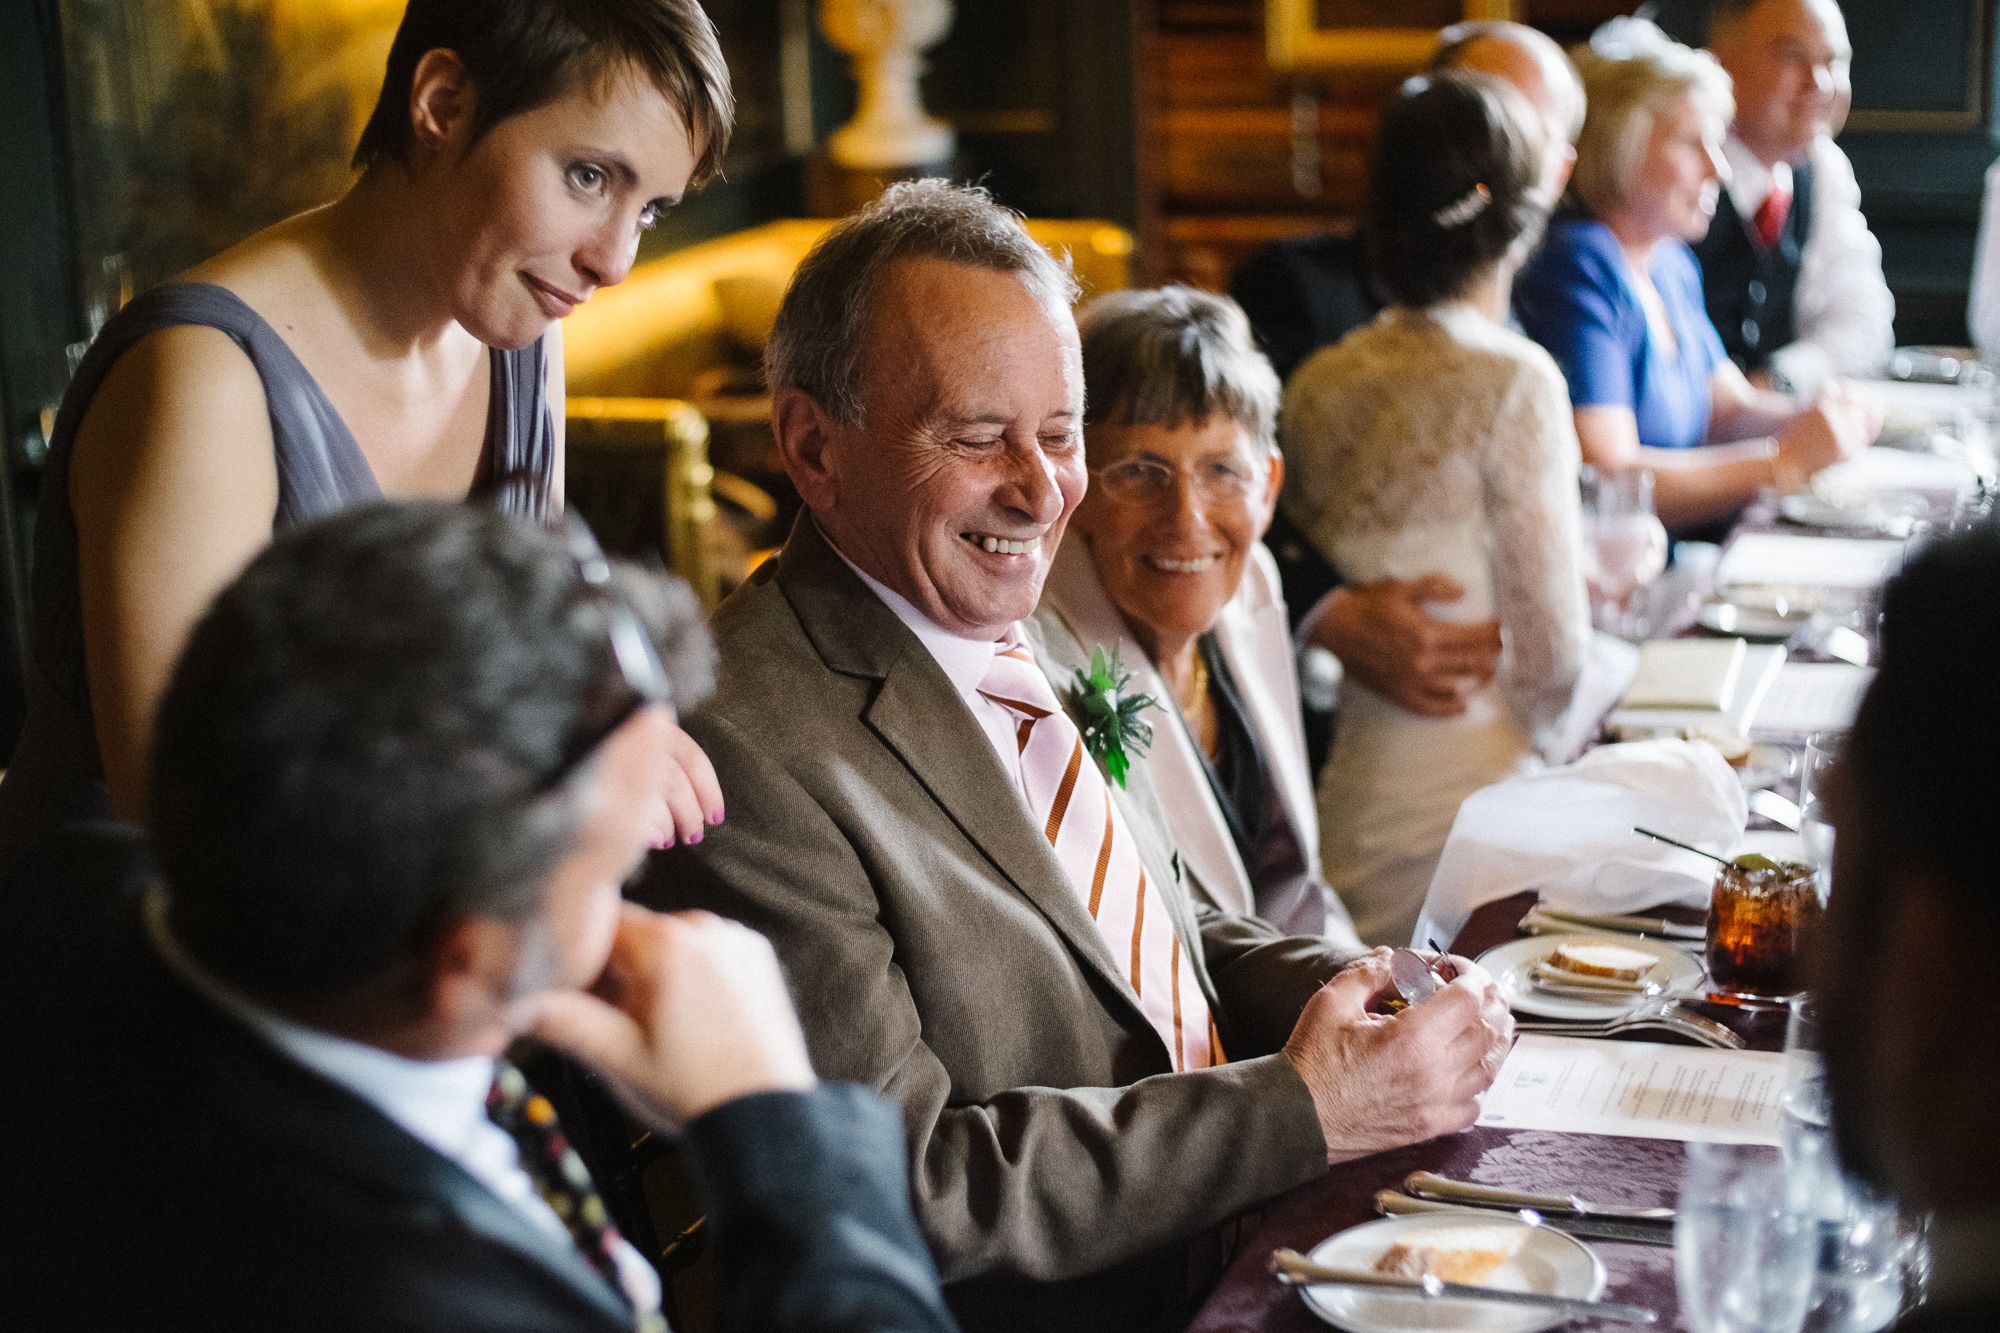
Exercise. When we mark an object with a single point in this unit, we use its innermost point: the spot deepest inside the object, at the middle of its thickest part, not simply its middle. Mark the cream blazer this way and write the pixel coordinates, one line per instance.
(1254, 634)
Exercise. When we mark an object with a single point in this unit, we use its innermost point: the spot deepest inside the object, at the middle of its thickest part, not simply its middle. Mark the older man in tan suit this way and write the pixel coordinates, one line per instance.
(1094, 1073)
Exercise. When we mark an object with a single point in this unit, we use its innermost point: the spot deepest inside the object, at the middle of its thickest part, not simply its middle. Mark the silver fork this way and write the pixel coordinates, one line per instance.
(1662, 1015)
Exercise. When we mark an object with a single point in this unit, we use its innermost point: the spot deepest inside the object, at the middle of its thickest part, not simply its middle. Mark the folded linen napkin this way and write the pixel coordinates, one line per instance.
(1568, 832)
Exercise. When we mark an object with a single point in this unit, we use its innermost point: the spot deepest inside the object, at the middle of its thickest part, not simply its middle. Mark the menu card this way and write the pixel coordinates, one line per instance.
(1813, 696)
(1882, 469)
(1813, 562)
(1635, 1089)
(1685, 673)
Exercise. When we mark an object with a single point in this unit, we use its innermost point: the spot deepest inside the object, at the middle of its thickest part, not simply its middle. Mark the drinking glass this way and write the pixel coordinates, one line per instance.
(1815, 820)
(1868, 1260)
(1625, 546)
(1805, 1047)
(1744, 1241)
(1759, 921)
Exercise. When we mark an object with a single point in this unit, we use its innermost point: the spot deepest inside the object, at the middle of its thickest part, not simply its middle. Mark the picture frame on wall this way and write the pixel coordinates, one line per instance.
(1307, 35)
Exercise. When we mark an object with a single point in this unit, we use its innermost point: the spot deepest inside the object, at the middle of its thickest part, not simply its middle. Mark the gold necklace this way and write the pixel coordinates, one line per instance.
(1194, 699)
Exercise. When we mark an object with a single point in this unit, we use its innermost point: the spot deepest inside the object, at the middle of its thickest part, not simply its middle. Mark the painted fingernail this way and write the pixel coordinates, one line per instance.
(661, 844)
(694, 837)
(715, 818)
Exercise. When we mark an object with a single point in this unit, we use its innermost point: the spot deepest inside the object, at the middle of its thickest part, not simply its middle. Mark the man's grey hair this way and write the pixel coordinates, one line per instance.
(1172, 357)
(823, 324)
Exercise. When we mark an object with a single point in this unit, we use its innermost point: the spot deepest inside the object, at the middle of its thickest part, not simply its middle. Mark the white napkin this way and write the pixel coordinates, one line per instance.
(1568, 832)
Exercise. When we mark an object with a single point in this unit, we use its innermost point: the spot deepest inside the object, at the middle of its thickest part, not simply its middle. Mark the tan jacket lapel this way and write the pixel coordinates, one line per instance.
(919, 716)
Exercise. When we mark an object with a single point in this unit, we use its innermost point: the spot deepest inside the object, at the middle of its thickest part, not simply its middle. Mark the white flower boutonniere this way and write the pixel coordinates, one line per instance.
(1109, 716)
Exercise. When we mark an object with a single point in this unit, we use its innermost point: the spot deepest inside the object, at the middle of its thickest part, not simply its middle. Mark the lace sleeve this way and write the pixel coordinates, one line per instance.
(1529, 479)
(1306, 442)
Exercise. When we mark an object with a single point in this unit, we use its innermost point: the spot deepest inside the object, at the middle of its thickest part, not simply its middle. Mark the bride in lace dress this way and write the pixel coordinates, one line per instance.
(1438, 440)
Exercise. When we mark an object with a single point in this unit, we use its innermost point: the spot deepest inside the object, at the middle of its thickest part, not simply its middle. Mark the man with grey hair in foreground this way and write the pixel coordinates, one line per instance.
(1094, 1073)
(402, 767)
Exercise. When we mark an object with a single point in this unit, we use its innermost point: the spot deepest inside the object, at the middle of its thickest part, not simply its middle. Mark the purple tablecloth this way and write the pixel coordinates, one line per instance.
(1610, 1170)
(1636, 1171)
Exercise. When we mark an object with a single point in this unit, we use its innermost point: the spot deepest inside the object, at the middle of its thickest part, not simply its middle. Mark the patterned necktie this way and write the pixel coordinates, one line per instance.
(1770, 216)
(558, 1174)
(1073, 807)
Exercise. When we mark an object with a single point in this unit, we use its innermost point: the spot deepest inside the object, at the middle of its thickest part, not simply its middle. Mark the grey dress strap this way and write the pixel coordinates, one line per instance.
(56, 774)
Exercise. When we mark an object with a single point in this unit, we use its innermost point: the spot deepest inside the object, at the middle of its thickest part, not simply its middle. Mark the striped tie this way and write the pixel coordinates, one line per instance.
(1071, 803)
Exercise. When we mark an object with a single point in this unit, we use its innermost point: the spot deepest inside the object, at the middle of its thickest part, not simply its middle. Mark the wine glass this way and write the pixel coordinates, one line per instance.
(1745, 1243)
(1625, 545)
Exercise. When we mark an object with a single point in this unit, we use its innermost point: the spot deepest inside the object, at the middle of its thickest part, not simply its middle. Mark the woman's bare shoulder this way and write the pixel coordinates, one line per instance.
(273, 271)
(179, 391)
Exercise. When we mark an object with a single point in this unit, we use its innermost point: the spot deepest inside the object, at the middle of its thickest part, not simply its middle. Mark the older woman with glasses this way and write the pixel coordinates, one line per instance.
(1165, 563)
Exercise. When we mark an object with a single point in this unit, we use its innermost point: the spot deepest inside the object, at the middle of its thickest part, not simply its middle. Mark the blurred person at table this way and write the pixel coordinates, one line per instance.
(401, 770)
(1436, 439)
(1302, 293)
(1911, 956)
(1614, 293)
(979, 912)
(401, 341)
(1163, 561)
(1790, 273)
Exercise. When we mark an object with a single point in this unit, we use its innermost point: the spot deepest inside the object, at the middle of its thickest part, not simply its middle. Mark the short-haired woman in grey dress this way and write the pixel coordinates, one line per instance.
(400, 341)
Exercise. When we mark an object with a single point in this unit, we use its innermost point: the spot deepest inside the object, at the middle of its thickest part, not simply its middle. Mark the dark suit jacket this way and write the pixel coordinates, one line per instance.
(937, 952)
(186, 1175)
(1303, 293)
(1968, 1317)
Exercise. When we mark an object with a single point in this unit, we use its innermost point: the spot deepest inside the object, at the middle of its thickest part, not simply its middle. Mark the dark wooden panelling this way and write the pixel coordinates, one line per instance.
(1220, 132)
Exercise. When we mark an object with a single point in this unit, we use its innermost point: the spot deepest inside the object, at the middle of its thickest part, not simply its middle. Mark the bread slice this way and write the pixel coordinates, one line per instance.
(1734, 746)
(1462, 1254)
(1601, 960)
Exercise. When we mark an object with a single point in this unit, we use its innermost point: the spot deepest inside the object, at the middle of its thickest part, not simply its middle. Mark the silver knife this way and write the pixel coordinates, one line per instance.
(1294, 1269)
(1634, 925)
(1430, 1185)
(1775, 808)
(1391, 1203)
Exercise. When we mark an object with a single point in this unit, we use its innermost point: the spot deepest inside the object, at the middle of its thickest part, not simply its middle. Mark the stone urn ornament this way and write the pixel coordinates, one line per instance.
(886, 40)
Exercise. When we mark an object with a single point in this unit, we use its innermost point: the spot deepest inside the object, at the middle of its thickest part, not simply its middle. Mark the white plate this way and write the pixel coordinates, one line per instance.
(1513, 963)
(1767, 766)
(1548, 1261)
(1748, 615)
(1888, 514)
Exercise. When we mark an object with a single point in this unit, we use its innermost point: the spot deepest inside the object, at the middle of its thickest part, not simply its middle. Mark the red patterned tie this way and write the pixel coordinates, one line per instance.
(1073, 806)
(1771, 214)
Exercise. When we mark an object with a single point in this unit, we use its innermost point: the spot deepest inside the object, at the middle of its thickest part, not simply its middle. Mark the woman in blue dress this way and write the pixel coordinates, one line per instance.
(1614, 294)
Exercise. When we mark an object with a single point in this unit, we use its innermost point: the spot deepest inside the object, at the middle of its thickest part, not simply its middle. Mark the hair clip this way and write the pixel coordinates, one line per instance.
(1463, 210)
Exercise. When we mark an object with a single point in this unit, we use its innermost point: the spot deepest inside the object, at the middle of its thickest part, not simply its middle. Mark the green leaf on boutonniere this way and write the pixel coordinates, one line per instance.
(1109, 716)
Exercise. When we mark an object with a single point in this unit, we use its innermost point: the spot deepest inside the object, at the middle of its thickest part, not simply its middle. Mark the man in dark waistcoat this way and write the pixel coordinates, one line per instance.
(1791, 274)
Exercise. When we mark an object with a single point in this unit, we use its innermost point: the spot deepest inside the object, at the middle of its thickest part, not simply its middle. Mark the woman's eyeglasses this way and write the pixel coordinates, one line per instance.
(631, 647)
(1218, 481)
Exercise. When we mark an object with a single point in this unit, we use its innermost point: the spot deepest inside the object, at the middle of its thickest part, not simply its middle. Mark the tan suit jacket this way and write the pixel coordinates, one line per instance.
(1255, 637)
(936, 950)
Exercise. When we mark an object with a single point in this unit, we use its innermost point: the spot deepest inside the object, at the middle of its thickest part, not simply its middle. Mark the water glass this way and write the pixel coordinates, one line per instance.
(1868, 1260)
(1625, 546)
(1805, 1044)
(1744, 1243)
(1815, 819)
